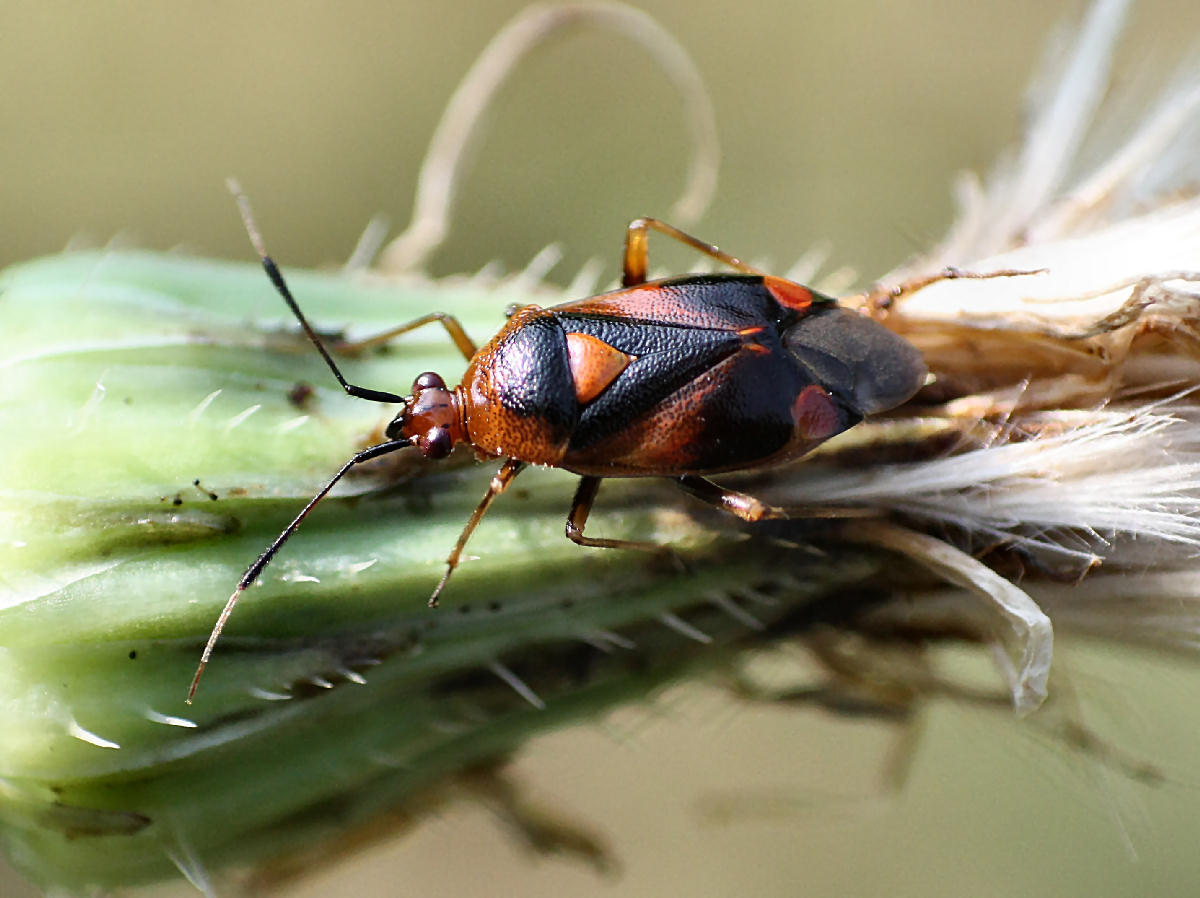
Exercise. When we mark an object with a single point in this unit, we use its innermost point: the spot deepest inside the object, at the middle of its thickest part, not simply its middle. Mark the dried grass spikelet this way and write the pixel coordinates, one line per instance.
(1066, 395)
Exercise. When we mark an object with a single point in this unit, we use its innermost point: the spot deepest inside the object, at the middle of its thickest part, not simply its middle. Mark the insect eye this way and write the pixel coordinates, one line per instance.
(436, 443)
(428, 381)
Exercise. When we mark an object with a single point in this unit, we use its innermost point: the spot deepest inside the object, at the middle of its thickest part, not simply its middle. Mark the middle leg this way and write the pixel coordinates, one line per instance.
(581, 506)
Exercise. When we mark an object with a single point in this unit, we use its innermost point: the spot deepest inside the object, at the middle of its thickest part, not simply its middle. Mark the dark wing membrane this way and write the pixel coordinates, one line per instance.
(857, 359)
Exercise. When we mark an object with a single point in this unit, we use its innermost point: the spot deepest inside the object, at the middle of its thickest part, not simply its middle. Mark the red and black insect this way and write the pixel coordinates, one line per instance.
(676, 378)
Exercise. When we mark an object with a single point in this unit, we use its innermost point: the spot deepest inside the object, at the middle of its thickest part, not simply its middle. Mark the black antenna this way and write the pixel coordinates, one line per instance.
(276, 277)
(264, 559)
(252, 573)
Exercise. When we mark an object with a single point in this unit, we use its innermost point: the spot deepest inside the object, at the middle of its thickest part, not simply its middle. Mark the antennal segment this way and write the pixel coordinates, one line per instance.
(281, 286)
(253, 572)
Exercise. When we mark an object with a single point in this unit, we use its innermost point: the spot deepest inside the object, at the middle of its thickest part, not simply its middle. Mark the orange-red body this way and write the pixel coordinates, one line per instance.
(692, 375)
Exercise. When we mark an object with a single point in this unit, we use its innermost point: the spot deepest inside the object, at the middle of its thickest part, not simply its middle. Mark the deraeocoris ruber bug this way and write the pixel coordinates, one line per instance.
(677, 378)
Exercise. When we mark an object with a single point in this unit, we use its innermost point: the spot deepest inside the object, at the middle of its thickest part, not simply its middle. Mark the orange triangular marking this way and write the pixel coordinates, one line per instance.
(594, 365)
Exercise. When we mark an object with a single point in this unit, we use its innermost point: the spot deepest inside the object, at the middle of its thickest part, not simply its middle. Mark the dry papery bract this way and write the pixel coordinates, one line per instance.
(1058, 439)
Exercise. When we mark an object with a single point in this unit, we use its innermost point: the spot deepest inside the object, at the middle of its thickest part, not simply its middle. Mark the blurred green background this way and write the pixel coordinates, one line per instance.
(840, 123)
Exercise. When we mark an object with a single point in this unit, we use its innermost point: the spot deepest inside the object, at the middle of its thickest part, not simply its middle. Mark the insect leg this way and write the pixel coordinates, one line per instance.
(464, 343)
(281, 287)
(499, 484)
(253, 572)
(637, 251)
(581, 506)
(738, 504)
(882, 296)
(750, 509)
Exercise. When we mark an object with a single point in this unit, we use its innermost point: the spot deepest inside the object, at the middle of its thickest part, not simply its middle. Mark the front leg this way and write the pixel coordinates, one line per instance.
(499, 484)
